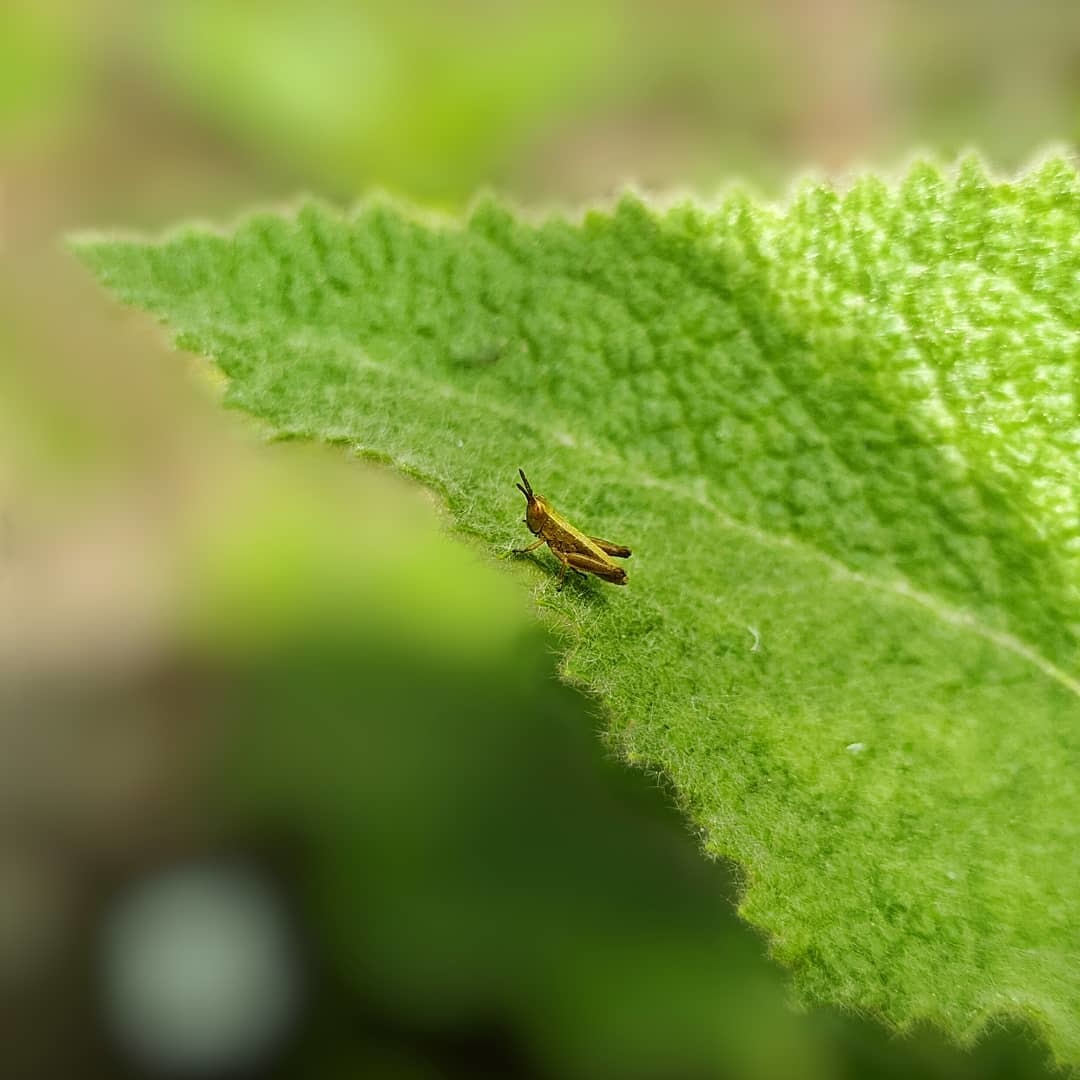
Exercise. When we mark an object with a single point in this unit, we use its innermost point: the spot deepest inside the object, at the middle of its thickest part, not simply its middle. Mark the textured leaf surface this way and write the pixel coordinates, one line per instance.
(842, 439)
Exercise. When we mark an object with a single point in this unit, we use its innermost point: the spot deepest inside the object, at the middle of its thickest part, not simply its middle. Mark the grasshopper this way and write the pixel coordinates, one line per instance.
(575, 550)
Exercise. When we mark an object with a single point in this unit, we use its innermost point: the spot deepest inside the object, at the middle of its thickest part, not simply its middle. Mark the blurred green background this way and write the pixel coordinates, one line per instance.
(218, 654)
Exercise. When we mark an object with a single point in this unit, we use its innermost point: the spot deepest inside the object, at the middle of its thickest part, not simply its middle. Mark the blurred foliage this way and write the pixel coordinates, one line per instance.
(40, 74)
(429, 97)
(434, 98)
(557, 100)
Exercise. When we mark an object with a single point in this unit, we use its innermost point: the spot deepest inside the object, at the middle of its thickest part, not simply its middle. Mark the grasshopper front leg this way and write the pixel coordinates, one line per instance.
(531, 547)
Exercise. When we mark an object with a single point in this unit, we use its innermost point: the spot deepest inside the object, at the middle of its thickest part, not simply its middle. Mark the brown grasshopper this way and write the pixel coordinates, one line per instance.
(586, 554)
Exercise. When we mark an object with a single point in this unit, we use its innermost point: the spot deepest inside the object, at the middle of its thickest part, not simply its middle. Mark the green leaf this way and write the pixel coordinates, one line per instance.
(841, 437)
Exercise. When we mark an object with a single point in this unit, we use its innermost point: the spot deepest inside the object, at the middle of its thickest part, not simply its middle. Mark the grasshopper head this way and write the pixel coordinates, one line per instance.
(536, 508)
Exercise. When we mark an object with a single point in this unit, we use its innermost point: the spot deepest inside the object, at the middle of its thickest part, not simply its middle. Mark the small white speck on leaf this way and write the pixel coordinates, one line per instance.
(757, 638)
(855, 747)
(461, 443)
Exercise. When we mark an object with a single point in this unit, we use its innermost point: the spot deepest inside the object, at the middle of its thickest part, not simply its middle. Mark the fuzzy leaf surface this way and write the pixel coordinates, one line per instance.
(841, 437)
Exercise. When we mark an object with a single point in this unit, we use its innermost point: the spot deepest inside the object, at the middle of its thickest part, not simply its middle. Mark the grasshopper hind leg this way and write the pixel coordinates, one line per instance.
(616, 551)
(567, 564)
(586, 564)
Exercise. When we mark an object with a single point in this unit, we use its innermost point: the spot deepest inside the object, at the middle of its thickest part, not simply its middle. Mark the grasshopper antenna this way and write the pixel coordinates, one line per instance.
(527, 490)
